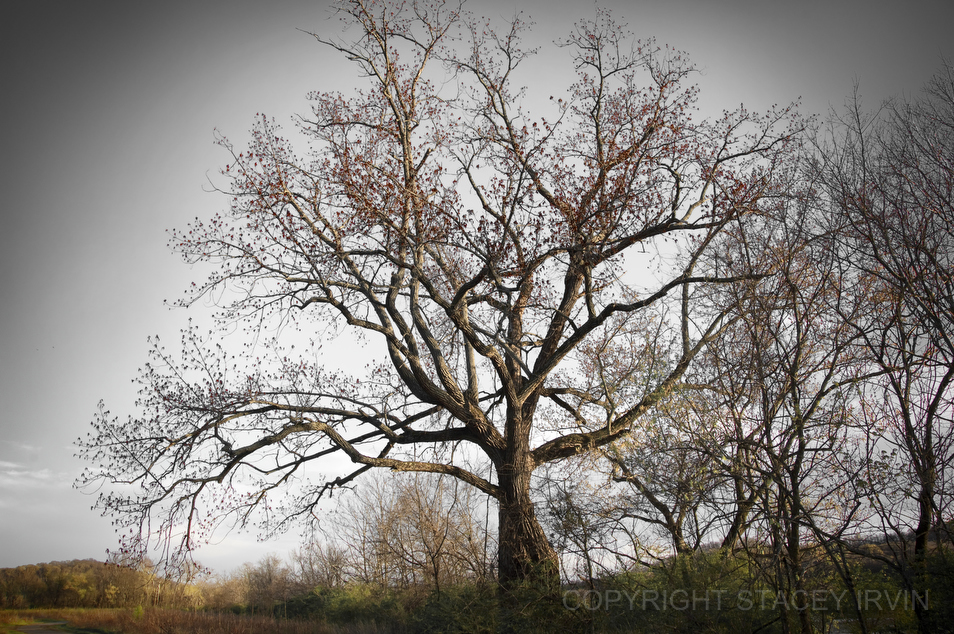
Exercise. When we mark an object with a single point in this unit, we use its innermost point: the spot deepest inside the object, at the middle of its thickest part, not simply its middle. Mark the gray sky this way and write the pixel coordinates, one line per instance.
(107, 112)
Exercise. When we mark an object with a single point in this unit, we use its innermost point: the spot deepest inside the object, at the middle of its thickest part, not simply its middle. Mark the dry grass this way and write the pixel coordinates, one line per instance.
(152, 621)
(9, 619)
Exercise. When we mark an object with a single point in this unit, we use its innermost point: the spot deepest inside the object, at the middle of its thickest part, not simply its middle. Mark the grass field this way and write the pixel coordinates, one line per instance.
(159, 621)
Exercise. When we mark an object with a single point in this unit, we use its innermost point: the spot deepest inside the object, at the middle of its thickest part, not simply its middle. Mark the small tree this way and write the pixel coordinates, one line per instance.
(269, 584)
(319, 564)
(417, 530)
(476, 246)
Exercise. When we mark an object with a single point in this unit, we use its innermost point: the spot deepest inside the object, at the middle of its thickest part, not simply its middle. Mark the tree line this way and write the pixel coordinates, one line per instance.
(87, 583)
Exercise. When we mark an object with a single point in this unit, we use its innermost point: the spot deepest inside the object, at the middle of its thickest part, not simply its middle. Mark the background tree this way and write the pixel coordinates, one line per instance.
(269, 584)
(889, 178)
(89, 584)
(799, 366)
(668, 476)
(657, 460)
(475, 245)
(748, 452)
(319, 563)
(582, 520)
(408, 531)
(224, 591)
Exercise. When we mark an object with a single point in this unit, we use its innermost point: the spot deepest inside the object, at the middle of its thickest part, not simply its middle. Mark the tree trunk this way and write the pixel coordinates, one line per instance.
(922, 535)
(525, 554)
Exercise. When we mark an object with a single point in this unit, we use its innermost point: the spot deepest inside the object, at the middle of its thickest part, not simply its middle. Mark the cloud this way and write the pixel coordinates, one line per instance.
(14, 455)
(35, 494)
(21, 447)
(19, 477)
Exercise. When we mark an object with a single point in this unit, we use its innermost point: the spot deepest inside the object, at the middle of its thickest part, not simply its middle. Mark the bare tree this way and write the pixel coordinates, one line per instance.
(793, 369)
(583, 522)
(319, 563)
(668, 475)
(406, 531)
(225, 590)
(889, 178)
(476, 245)
(269, 584)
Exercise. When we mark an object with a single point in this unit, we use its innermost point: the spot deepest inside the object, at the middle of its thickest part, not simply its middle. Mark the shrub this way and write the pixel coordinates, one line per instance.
(466, 609)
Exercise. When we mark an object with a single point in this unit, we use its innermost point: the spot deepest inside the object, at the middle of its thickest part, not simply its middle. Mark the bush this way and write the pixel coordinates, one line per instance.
(354, 603)
(468, 609)
(702, 592)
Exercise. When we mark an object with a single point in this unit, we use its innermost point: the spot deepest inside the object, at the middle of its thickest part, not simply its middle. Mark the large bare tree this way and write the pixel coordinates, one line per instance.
(477, 247)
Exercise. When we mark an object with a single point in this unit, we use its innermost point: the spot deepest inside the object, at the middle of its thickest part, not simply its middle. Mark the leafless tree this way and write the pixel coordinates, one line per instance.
(889, 179)
(319, 563)
(269, 583)
(478, 245)
(408, 531)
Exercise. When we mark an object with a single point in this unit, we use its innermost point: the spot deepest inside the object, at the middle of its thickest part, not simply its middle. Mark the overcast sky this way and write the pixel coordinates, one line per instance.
(107, 112)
